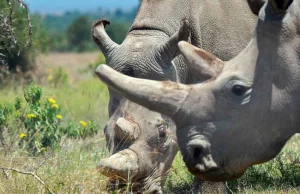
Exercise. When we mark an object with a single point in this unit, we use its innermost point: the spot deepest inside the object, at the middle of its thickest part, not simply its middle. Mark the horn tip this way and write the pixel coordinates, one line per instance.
(101, 69)
(183, 45)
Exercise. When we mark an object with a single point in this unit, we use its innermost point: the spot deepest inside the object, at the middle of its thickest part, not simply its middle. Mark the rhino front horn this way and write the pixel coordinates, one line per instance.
(101, 38)
(123, 164)
(165, 97)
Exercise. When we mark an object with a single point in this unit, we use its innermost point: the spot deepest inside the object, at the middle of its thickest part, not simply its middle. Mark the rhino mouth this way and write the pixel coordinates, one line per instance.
(218, 174)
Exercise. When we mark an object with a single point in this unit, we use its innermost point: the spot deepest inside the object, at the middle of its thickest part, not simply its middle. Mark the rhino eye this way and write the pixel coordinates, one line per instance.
(162, 131)
(238, 90)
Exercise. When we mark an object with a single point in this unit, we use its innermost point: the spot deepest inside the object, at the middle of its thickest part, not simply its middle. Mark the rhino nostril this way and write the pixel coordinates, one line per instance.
(197, 153)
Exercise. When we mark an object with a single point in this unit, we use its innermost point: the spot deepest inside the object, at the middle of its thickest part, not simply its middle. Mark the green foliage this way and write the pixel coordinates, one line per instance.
(179, 179)
(38, 124)
(118, 30)
(83, 130)
(71, 31)
(79, 34)
(21, 37)
(280, 173)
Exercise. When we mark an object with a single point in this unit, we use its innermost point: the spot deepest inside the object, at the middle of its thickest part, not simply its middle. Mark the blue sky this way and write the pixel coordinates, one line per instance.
(59, 6)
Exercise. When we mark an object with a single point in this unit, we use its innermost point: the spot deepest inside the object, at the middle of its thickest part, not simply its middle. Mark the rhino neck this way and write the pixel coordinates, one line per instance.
(163, 15)
(223, 28)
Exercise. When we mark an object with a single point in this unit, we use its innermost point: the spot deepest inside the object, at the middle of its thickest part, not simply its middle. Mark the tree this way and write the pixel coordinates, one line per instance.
(21, 37)
(79, 33)
(12, 42)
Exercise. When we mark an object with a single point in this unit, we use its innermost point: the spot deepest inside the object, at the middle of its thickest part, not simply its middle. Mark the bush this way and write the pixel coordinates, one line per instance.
(21, 37)
(79, 34)
(37, 123)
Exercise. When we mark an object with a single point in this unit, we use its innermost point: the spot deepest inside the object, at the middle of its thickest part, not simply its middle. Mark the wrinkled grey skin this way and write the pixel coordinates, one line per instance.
(143, 143)
(246, 110)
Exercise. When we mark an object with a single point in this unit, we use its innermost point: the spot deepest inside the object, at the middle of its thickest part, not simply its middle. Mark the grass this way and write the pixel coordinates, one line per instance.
(86, 101)
(73, 168)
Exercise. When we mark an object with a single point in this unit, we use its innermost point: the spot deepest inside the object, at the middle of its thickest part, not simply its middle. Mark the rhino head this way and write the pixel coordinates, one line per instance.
(240, 112)
(143, 143)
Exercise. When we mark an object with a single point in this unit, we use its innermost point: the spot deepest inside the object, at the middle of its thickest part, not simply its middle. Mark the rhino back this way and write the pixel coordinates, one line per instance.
(223, 28)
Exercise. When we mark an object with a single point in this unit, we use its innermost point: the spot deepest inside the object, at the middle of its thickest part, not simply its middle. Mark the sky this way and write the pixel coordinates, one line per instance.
(59, 6)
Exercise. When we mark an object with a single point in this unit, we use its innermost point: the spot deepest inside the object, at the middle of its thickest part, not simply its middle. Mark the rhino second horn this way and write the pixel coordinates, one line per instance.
(126, 130)
(101, 38)
(203, 64)
(123, 164)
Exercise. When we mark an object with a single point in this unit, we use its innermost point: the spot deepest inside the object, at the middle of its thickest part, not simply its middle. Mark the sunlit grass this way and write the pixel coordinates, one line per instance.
(87, 100)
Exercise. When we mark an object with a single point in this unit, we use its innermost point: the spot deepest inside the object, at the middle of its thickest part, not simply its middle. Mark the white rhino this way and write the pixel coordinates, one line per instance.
(237, 113)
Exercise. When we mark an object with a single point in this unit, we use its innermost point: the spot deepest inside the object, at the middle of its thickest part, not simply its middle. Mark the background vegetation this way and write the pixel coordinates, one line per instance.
(51, 136)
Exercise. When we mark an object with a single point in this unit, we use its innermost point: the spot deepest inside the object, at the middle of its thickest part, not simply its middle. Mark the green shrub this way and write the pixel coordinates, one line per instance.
(38, 123)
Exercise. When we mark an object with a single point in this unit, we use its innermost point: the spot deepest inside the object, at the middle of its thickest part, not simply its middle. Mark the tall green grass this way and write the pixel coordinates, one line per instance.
(86, 100)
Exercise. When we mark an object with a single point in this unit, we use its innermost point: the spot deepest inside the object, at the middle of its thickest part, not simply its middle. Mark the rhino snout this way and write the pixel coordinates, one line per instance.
(198, 158)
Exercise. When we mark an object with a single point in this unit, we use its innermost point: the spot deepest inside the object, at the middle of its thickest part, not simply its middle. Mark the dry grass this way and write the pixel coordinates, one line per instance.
(71, 170)
(73, 63)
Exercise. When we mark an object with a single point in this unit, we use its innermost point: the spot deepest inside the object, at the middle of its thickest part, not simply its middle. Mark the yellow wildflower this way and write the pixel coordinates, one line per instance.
(84, 124)
(50, 78)
(55, 106)
(50, 70)
(22, 135)
(51, 100)
(30, 116)
(59, 117)
(43, 149)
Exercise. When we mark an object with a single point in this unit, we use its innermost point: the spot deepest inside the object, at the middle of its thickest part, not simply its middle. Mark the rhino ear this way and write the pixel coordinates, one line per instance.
(101, 38)
(255, 5)
(280, 6)
(201, 63)
(169, 50)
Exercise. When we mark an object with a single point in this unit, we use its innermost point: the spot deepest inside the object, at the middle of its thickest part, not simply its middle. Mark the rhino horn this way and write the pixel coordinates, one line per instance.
(202, 64)
(101, 38)
(123, 164)
(127, 130)
(169, 50)
(165, 97)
